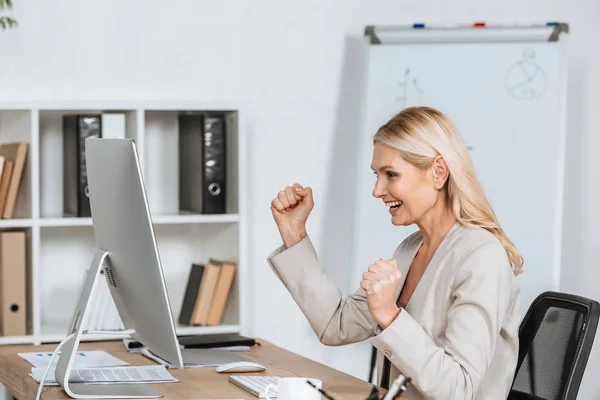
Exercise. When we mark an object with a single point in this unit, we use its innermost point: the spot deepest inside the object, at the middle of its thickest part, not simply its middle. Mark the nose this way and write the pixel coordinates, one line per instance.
(379, 190)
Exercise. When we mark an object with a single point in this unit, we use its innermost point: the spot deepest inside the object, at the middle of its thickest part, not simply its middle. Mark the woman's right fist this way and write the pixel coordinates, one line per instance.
(291, 209)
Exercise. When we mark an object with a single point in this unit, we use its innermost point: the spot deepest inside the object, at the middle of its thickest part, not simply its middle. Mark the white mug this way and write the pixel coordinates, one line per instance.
(294, 389)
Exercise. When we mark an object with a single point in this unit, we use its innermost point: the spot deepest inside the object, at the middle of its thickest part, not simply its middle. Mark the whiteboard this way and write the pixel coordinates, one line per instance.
(506, 93)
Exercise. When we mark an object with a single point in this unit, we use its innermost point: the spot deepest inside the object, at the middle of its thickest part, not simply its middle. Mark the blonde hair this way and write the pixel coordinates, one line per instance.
(421, 134)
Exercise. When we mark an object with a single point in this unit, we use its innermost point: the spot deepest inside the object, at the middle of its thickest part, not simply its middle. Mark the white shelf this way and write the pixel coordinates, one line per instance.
(64, 222)
(158, 219)
(16, 223)
(58, 258)
(122, 105)
(195, 219)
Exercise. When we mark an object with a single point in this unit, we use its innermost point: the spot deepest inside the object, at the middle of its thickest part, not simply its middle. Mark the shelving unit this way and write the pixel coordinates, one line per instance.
(60, 249)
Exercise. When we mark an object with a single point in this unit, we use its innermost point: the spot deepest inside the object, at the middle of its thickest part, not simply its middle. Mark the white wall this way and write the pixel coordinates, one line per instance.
(289, 61)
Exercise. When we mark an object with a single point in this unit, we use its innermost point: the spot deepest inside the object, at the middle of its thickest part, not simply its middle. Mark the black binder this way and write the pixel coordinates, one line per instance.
(211, 341)
(214, 165)
(202, 163)
(207, 341)
(77, 128)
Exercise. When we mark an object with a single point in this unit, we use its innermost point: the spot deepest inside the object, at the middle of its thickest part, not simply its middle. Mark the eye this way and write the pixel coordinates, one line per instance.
(391, 175)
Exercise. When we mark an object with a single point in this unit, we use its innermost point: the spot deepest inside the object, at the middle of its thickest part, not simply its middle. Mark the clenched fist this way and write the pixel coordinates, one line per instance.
(380, 283)
(291, 209)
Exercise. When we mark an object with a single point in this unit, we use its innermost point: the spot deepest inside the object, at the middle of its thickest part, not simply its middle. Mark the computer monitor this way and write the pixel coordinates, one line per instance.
(128, 254)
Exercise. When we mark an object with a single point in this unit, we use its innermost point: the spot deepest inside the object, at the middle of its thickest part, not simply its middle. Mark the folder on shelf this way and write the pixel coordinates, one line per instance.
(17, 153)
(13, 283)
(76, 129)
(202, 163)
(190, 163)
(214, 164)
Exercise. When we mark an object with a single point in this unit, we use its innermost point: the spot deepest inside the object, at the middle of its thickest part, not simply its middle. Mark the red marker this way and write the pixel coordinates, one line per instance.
(479, 25)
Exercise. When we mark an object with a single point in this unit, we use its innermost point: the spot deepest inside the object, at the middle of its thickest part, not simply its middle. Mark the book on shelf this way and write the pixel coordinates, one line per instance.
(14, 156)
(76, 129)
(202, 162)
(190, 294)
(207, 291)
(7, 168)
(13, 283)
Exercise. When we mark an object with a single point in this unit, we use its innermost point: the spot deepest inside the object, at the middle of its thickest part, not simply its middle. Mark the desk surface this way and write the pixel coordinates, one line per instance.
(196, 383)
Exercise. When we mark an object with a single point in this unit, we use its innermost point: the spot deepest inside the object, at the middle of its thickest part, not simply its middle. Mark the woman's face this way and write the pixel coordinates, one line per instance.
(406, 190)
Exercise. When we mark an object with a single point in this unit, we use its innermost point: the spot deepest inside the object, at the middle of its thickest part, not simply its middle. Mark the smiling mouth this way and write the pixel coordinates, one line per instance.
(393, 204)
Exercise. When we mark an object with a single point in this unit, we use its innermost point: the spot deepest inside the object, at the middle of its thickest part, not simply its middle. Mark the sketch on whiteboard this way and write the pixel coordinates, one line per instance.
(411, 93)
(525, 79)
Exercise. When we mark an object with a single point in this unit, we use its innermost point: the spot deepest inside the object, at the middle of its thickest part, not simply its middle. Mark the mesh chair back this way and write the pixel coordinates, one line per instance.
(555, 340)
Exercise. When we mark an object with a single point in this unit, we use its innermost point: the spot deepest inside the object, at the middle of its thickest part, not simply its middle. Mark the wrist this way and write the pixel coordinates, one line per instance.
(294, 237)
(386, 318)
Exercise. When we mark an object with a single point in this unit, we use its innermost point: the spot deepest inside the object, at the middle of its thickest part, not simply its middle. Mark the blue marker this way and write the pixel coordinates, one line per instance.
(418, 26)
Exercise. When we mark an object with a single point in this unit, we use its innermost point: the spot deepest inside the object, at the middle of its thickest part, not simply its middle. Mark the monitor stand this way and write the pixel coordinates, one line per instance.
(67, 355)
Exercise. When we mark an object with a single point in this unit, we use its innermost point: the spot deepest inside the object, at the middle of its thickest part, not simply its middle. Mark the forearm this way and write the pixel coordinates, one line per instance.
(386, 317)
(335, 319)
(292, 237)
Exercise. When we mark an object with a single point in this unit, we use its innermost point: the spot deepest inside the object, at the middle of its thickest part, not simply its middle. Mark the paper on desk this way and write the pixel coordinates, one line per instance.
(83, 359)
(137, 374)
(233, 348)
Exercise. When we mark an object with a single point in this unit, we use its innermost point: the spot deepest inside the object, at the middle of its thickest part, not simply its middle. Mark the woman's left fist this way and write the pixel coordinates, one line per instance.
(380, 283)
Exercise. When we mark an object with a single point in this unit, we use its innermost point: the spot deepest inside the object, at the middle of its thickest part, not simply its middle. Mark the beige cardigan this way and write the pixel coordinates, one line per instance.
(458, 336)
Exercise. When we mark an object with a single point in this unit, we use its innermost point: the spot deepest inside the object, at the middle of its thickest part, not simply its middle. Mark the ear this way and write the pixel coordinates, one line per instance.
(440, 172)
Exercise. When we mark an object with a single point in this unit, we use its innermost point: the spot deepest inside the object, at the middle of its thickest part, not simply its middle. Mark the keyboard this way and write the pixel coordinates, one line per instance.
(255, 384)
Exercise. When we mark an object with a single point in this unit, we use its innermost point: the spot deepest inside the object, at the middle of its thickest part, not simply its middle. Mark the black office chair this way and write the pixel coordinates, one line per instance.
(555, 340)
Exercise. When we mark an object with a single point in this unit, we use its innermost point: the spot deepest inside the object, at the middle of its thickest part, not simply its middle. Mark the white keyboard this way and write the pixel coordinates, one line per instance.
(255, 384)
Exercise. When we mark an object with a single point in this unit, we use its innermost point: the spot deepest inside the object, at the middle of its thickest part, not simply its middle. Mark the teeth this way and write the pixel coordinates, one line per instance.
(393, 203)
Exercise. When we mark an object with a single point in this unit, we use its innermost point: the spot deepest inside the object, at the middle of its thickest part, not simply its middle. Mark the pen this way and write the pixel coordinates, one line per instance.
(398, 386)
(320, 390)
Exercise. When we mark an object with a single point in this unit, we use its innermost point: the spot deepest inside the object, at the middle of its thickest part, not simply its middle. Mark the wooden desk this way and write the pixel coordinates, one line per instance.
(196, 383)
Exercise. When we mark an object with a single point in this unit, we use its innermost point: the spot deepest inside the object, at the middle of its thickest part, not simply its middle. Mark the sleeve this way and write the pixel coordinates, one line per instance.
(455, 368)
(335, 319)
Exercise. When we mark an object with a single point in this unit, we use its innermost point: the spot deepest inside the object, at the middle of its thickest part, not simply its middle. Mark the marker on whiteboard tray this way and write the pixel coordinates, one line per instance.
(480, 24)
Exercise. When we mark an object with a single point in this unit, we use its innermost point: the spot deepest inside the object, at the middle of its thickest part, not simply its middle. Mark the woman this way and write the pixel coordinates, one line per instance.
(445, 310)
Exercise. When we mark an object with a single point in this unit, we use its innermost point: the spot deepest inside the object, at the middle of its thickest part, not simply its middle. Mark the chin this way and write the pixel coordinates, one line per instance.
(400, 222)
